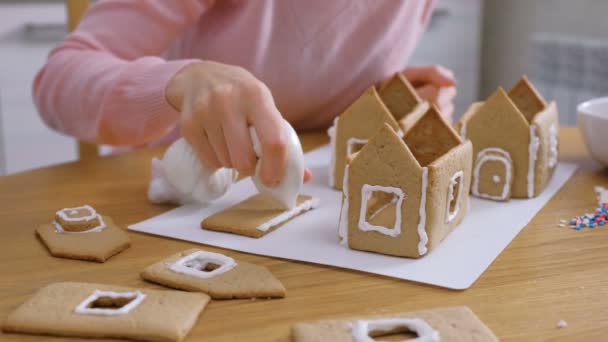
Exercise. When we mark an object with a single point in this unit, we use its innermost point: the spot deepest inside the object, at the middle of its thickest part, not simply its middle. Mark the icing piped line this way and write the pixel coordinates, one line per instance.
(423, 237)
(343, 224)
(64, 216)
(192, 263)
(101, 226)
(451, 215)
(532, 155)
(361, 329)
(84, 309)
(287, 215)
(366, 192)
(331, 132)
(484, 156)
(553, 143)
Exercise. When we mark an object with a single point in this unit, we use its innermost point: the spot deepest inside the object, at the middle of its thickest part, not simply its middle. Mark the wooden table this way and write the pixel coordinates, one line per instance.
(546, 274)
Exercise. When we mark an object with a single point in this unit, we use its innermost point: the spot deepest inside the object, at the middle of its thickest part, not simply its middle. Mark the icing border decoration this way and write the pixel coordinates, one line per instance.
(84, 309)
(449, 216)
(332, 132)
(553, 146)
(93, 214)
(343, 223)
(482, 157)
(423, 238)
(191, 263)
(362, 328)
(532, 156)
(289, 214)
(366, 192)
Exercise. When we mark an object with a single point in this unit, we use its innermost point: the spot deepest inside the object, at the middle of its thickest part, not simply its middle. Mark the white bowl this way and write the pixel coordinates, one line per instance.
(592, 119)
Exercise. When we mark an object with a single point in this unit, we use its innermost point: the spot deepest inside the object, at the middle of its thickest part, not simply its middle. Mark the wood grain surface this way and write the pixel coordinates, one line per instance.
(546, 274)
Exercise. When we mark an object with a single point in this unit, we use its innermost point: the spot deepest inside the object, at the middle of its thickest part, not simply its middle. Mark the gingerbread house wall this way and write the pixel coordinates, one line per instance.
(547, 130)
(502, 127)
(386, 161)
(454, 165)
(359, 122)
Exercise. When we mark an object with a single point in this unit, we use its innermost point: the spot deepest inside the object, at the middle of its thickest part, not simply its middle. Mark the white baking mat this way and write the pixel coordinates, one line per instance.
(456, 263)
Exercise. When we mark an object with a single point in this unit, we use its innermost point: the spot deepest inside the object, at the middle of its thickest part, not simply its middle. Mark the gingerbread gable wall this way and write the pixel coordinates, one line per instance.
(431, 137)
(527, 99)
(399, 96)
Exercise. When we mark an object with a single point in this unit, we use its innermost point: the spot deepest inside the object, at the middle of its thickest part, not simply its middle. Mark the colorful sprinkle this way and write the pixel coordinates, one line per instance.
(598, 218)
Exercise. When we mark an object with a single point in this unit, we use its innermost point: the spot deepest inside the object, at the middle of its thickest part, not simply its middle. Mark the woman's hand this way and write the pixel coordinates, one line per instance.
(218, 103)
(436, 84)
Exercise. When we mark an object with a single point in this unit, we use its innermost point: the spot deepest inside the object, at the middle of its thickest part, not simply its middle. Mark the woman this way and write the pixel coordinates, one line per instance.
(136, 72)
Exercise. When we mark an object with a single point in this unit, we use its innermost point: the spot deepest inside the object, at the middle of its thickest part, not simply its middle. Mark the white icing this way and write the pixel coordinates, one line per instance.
(423, 238)
(463, 131)
(379, 210)
(496, 179)
(366, 193)
(180, 177)
(457, 178)
(288, 214)
(362, 328)
(553, 142)
(73, 211)
(484, 156)
(192, 264)
(343, 225)
(63, 213)
(562, 324)
(331, 132)
(84, 309)
(352, 142)
(532, 155)
(288, 189)
(602, 194)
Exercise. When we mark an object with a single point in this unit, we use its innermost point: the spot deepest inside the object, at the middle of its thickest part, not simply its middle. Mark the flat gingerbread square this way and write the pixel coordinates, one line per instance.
(97, 245)
(457, 324)
(107, 311)
(215, 274)
(256, 216)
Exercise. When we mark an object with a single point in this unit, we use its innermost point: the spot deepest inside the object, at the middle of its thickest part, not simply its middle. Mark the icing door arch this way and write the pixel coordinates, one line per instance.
(493, 174)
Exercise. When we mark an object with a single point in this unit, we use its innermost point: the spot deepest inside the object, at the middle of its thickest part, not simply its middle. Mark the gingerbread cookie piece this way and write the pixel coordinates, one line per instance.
(105, 311)
(441, 324)
(81, 233)
(217, 275)
(79, 219)
(256, 216)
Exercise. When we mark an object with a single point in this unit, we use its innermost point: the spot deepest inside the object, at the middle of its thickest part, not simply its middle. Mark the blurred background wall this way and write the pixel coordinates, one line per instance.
(560, 44)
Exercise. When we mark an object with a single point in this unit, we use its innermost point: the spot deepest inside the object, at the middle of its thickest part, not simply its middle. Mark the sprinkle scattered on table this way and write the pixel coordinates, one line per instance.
(562, 324)
(589, 220)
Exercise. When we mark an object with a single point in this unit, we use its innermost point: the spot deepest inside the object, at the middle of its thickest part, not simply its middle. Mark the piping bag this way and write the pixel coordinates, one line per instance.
(181, 178)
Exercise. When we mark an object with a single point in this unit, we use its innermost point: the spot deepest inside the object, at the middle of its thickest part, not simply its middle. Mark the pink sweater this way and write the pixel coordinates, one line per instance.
(106, 81)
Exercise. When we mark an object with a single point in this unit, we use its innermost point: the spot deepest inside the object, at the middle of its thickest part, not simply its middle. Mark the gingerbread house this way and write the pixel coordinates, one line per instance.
(515, 142)
(403, 195)
(395, 103)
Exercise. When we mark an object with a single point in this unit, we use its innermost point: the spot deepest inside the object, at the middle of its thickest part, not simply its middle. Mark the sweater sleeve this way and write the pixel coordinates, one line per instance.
(105, 82)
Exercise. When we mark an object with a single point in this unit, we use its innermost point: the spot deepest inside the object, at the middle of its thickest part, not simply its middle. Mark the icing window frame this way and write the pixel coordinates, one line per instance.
(93, 214)
(362, 328)
(366, 193)
(352, 142)
(457, 179)
(83, 307)
(182, 265)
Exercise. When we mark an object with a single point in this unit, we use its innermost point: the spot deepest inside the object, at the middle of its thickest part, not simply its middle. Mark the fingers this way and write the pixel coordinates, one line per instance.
(443, 98)
(268, 124)
(428, 93)
(197, 138)
(240, 148)
(435, 75)
(307, 175)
